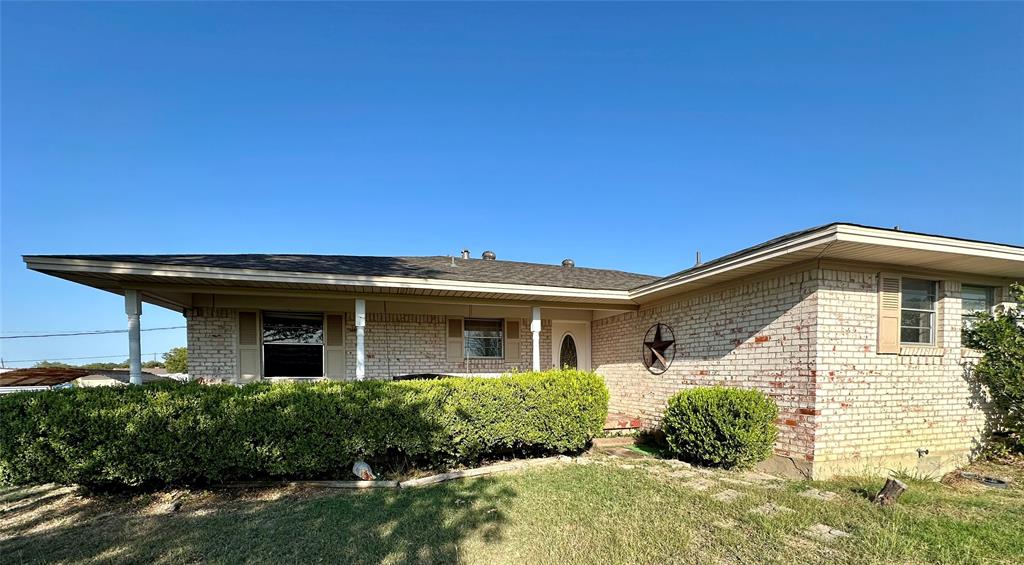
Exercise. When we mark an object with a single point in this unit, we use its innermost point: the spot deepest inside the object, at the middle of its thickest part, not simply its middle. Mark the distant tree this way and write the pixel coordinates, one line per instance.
(153, 365)
(1001, 370)
(176, 360)
(108, 366)
(51, 365)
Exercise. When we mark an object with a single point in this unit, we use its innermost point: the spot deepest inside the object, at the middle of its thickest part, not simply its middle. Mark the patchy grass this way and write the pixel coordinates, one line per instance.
(611, 510)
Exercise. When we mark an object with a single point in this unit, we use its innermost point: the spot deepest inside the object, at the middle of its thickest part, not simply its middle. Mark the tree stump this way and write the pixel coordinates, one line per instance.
(890, 492)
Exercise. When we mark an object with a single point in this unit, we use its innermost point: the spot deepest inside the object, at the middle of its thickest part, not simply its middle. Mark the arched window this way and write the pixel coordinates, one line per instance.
(567, 353)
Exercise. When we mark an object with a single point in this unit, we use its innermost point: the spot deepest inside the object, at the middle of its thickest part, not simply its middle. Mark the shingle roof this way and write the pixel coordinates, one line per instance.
(429, 267)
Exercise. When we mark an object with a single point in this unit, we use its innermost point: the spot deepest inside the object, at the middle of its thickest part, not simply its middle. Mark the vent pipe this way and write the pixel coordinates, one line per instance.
(697, 264)
(465, 254)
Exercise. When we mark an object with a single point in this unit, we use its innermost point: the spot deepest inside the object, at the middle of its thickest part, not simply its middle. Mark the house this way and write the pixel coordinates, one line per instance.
(855, 331)
(48, 378)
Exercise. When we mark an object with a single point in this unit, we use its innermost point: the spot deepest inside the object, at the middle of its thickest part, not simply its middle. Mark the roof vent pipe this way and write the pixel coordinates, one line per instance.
(568, 263)
(488, 256)
(465, 254)
(698, 259)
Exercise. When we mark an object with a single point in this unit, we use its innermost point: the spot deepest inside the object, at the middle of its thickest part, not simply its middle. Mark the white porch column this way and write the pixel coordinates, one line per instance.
(360, 339)
(535, 330)
(133, 308)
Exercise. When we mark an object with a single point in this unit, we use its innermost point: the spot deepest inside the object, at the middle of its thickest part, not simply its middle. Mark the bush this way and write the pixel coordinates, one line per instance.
(720, 426)
(1001, 369)
(174, 433)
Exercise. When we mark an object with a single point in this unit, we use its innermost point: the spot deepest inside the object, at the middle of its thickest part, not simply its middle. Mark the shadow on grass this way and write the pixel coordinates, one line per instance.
(422, 525)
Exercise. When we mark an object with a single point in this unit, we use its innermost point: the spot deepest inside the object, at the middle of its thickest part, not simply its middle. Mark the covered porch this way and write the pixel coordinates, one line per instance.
(442, 316)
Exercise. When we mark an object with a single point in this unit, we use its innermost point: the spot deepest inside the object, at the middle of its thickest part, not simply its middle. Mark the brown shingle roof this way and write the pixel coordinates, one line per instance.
(430, 267)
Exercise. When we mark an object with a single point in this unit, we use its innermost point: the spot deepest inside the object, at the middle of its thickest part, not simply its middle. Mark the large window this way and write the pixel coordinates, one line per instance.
(484, 338)
(293, 345)
(917, 312)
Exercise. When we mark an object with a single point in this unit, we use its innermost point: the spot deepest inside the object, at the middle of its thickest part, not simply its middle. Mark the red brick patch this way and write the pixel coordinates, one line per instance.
(761, 339)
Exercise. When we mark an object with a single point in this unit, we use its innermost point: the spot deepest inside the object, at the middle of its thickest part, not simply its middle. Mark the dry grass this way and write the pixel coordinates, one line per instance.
(610, 510)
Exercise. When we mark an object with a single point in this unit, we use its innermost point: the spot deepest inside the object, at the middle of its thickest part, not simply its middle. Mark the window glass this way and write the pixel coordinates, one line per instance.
(567, 353)
(917, 315)
(974, 299)
(484, 338)
(293, 345)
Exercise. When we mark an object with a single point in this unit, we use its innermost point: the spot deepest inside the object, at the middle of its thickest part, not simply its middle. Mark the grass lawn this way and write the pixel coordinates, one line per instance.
(610, 510)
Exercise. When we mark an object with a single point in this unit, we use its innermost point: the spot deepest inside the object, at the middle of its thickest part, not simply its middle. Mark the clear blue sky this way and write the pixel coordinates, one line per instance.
(625, 136)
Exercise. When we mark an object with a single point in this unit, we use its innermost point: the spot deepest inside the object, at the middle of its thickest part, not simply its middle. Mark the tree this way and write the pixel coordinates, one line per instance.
(176, 360)
(1001, 369)
(51, 365)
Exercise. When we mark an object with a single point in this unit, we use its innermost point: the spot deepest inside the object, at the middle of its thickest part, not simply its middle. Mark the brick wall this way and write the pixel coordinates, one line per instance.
(753, 335)
(400, 344)
(396, 344)
(809, 341)
(212, 343)
(878, 410)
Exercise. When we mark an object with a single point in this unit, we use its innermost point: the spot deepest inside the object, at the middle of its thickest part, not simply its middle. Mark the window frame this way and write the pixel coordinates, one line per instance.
(990, 298)
(263, 344)
(501, 338)
(934, 311)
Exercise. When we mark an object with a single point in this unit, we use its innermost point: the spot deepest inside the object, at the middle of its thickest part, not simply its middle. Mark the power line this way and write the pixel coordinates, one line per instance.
(89, 332)
(122, 356)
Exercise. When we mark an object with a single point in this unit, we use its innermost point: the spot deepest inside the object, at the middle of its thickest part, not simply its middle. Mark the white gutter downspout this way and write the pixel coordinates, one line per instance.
(133, 308)
(360, 339)
(535, 329)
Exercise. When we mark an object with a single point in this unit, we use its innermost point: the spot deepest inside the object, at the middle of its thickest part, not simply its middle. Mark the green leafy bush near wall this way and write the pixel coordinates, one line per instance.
(170, 433)
(719, 426)
(1001, 369)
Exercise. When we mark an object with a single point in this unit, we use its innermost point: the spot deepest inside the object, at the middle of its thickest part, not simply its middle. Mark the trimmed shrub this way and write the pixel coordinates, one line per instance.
(172, 433)
(720, 426)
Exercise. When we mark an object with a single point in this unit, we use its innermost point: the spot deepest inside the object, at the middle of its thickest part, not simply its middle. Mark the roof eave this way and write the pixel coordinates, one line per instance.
(179, 274)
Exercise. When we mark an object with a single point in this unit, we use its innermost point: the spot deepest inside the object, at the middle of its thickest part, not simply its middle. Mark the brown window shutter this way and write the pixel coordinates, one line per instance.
(248, 346)
(456, 346)
(334, 346)
(888, 313)
(512, 340)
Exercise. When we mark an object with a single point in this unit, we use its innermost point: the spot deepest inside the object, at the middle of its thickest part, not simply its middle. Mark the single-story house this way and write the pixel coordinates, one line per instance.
(855, 331)
(48, 378)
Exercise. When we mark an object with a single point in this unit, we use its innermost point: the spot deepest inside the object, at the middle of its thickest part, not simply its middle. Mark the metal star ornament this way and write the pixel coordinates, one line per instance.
(659, 348)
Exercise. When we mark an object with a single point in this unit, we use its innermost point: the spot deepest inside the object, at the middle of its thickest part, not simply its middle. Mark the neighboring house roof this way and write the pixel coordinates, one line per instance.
(429, 267)
(53, 376)
(171, 280)
(41, 376)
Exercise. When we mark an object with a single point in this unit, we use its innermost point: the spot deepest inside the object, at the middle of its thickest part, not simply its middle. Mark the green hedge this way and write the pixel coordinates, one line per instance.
(171, 433)
(720, 426)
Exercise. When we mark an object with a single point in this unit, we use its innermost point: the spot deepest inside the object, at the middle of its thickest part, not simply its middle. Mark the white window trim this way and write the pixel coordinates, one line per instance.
(934, 315)
(501, 339)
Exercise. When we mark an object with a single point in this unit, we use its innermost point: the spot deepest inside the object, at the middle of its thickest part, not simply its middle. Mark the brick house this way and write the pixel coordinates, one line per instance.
(854, 331)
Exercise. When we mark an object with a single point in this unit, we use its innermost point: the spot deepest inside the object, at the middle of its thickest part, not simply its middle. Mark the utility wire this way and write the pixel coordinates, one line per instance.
(89, 332)
(122, 356)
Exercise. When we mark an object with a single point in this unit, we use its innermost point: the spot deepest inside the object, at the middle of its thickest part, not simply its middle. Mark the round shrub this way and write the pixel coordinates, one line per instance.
(719, 426)
(171, 433)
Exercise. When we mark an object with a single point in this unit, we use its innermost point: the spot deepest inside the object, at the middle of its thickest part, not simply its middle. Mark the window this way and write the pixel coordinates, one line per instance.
(293, 345)
(975, 300)
(483, 338)
(917, 312)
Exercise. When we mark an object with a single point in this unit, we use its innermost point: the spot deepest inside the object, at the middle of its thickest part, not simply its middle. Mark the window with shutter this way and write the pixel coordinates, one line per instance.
(454, 341)
(334, 346)
(512, 348)
(888, 313)
(248, 346)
